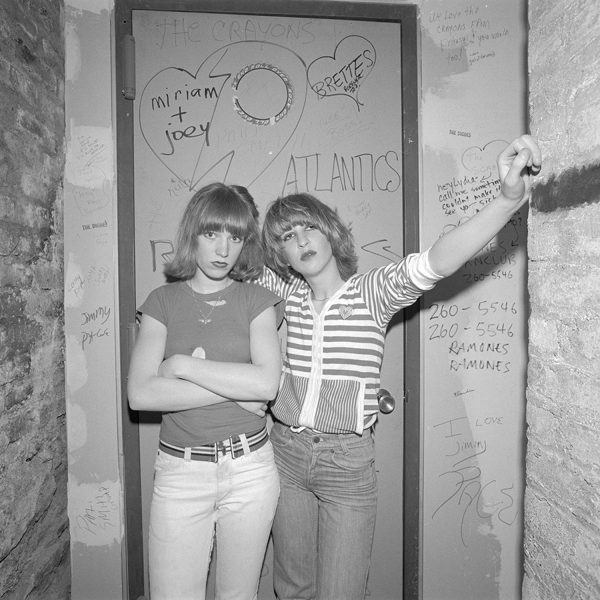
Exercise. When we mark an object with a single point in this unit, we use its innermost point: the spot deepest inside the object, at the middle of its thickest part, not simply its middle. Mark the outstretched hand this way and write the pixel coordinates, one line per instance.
(517, 163)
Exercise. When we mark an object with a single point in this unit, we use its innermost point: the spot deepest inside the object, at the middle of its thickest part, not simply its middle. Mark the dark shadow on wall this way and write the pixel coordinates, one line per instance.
(571, 188)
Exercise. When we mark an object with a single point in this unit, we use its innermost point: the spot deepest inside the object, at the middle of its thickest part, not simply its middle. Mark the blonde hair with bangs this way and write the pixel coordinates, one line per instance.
(303, 209)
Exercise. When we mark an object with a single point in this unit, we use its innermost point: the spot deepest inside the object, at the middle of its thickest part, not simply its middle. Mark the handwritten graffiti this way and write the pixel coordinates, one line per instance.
(164, 248)
(343, 73)
(381, 248)
(95, 324)
(188, 31)
(482, 160)
(99, 513)
(182, 114)
(359, 172)
(469, 493)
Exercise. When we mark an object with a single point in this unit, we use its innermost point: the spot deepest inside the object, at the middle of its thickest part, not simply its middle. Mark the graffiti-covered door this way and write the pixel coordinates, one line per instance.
(278, 104)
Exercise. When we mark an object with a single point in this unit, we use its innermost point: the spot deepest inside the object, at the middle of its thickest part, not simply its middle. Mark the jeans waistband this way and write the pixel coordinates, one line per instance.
(307, 431)
(235, 445)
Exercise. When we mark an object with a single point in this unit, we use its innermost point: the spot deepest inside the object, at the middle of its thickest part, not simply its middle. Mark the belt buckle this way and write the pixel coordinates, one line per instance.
(222, 447)
(219, 449)
(231, 449)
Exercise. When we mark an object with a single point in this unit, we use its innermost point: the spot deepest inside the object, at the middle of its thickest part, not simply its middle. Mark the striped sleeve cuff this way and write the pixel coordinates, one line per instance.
(420, 271)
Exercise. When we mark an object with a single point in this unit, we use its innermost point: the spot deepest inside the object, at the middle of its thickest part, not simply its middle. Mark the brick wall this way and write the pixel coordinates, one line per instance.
(562, 500)
(34, 538)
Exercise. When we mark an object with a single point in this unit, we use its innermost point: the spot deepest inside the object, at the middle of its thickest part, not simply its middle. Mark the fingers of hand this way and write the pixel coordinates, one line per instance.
(526, 142)
(522, 159)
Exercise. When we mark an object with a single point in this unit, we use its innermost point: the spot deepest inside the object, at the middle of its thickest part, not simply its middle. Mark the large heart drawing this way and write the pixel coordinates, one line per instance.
(228, 120)
(343, 73)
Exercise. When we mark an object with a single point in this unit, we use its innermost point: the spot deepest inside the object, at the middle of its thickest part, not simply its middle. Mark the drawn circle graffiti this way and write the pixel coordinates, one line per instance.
(276, 103)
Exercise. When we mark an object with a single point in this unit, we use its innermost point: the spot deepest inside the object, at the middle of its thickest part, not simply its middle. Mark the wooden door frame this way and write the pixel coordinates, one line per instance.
(406, 15)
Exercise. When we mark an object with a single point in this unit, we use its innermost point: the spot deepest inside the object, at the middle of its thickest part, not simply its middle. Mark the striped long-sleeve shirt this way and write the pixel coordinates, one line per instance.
(332, 367)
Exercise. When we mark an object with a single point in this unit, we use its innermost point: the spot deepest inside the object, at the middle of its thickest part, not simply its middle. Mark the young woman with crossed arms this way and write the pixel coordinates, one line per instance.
(215, 467)
(327, 402)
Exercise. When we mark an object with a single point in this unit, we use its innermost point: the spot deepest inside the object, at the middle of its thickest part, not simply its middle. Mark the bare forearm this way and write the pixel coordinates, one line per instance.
(237, 381)
(456, 247)
(167, 395)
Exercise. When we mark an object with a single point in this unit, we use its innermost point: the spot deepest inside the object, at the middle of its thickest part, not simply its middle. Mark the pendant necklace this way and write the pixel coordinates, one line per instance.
(205, 318)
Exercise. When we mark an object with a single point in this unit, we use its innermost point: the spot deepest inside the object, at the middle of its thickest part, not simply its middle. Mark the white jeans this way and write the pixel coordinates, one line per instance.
(238, 496)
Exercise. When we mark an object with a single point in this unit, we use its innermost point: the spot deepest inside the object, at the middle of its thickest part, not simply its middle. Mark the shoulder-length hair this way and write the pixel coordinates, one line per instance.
(303, 209)
(218, 207)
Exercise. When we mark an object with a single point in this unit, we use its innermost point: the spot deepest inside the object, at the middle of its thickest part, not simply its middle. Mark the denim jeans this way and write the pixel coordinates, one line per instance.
(325, 519)
(233, 500)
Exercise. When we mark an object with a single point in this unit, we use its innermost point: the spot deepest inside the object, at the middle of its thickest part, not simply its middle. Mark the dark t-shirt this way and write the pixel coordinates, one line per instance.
(226, 338)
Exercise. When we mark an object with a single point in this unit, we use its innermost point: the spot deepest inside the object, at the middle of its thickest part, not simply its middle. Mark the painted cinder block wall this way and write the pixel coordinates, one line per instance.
(34, 531)
(562, 499)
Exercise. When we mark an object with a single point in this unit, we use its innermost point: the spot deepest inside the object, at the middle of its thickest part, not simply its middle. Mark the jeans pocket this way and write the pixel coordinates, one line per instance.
(357, 457)
(166, 463)
(280, 435)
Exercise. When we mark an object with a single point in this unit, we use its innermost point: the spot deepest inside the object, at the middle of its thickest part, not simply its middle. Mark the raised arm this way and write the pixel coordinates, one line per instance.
(146, 389)
(258, 380)
(519, 161)
(278, 285)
